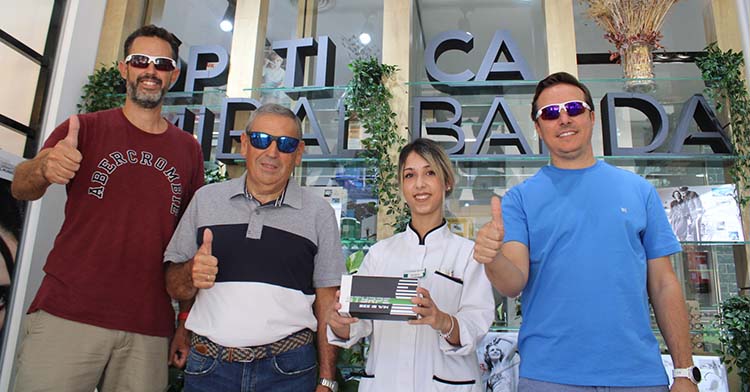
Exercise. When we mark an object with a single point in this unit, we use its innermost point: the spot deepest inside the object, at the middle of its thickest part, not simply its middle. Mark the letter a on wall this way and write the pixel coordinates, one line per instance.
(710, 131)
(514, 68)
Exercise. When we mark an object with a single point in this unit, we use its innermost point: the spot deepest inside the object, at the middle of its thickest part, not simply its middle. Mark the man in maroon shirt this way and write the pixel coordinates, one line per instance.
(102, 317)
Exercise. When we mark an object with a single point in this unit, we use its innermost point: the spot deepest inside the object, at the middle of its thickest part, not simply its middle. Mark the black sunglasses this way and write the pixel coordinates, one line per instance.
(552, 112)
(262, 140)
(138, 60)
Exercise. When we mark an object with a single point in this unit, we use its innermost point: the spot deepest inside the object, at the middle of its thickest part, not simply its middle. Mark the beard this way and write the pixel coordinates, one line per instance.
(143, 99)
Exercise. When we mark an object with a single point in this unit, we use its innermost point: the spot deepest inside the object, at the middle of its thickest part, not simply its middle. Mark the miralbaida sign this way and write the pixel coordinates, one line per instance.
(198, 75)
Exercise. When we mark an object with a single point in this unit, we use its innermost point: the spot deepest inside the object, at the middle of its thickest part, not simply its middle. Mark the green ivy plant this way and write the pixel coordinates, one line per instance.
(368, 99)
(214, 172)
(733, 322)
(722, 72)
(104, 90)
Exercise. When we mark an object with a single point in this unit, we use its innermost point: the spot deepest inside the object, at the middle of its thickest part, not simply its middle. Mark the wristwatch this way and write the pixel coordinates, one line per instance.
(692, 373)
(330, 384)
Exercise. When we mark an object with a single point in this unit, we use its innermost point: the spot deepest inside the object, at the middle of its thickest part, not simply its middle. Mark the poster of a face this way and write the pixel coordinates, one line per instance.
(9, 232)
(11, 219)
(499, 361)
(703, 213)
(713, 372)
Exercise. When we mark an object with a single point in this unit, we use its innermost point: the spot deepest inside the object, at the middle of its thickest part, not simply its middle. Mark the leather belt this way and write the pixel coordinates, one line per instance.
(205, 346)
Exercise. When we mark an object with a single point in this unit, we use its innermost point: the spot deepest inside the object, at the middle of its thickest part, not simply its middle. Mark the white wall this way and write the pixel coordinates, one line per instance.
(74, 61)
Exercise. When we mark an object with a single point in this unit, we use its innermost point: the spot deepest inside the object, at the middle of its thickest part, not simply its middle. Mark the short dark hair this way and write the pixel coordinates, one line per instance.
(157, 32)
(555, 79)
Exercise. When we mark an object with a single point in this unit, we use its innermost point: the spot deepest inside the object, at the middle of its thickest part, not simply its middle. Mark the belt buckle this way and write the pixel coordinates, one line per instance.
(252, 356)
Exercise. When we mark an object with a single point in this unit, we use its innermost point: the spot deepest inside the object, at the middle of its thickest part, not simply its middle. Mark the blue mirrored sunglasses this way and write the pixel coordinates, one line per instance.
(552, 112)
(262, 140)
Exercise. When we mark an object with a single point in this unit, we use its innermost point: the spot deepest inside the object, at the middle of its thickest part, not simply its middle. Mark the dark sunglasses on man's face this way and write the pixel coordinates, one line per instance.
(138, 60)
(552, 112)
(262, 140)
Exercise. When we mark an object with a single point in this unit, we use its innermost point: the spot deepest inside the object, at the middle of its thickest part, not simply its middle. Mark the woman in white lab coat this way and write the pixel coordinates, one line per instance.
(455, 305)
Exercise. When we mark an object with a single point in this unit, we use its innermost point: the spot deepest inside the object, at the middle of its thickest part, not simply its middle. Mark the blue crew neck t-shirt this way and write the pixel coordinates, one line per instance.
(590, 233)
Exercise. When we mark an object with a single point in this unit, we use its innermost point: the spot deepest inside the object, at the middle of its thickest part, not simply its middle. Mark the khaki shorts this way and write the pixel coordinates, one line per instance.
(62, 355)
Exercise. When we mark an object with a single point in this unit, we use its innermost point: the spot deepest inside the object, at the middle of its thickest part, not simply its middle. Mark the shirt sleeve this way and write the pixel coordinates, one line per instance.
(514, 218)
(183, 245)
(197, 178)
(361, 328)
(476, 311)
(358, 330)
(58, 134)
(329, 261)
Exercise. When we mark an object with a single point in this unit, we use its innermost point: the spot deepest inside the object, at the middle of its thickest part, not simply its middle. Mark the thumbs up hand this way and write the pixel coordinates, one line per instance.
(72, 138)
(490, 237)
(205, 265)
(62, 162)
(497, 215)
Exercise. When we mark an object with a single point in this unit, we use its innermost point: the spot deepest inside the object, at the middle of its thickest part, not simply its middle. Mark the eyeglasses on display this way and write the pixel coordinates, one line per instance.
(262, 140)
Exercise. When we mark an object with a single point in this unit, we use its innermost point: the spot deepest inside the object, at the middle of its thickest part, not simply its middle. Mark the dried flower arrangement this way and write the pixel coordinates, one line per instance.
(633, 27)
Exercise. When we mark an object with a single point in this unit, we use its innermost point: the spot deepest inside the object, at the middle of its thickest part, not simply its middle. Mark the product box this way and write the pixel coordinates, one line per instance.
(378, 297)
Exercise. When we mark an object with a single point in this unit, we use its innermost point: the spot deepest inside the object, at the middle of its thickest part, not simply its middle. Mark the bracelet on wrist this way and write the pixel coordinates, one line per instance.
(450, 331)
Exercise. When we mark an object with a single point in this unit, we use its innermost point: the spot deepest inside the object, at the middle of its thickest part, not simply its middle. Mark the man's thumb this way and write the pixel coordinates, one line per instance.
(208, 237)
(73, 126)
(497, 210)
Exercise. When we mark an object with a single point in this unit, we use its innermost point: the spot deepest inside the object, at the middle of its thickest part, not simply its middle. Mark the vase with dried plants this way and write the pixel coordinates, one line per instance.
(633, 27)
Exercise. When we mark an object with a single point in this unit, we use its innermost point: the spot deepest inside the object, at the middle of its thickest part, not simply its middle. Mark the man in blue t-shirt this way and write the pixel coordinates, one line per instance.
(589, 245)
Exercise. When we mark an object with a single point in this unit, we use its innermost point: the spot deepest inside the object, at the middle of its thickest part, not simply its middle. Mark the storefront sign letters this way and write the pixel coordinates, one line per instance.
(200, 75)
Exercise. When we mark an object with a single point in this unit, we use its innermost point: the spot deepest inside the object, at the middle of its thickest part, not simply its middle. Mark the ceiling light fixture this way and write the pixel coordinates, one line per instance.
(368, 28)
(227, 22)
(365, 38)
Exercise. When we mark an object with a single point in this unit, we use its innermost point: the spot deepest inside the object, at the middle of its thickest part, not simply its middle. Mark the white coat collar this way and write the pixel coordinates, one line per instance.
(436, 234)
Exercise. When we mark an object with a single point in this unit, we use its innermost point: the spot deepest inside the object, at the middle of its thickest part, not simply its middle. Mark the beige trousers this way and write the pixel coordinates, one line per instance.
(67, 356)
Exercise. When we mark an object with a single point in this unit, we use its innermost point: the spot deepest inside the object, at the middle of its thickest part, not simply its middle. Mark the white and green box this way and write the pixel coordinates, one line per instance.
(378, 297)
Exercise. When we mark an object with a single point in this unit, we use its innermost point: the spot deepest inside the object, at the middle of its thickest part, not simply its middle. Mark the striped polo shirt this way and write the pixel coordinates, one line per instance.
(271, 257)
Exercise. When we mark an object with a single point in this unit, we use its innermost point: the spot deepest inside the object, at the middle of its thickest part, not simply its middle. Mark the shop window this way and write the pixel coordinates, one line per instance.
(26, 14)
(17, 102)
(28, 42)
(12, 141)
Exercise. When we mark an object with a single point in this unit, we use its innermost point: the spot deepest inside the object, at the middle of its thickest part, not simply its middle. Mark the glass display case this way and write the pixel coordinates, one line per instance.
(706, 267)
